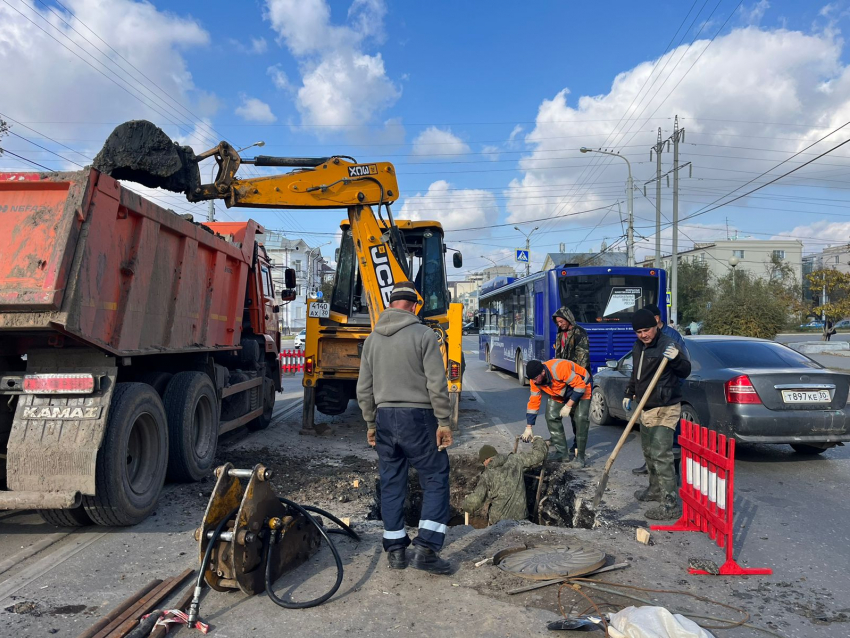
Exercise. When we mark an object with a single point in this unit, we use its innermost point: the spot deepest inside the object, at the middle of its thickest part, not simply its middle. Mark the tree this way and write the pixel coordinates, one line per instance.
(747, 306)
(694, 291)
(831, 289)
(327, 288)
(782, 281)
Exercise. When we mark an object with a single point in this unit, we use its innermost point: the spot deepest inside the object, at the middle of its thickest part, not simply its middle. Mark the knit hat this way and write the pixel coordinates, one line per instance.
(643, 318)
(533, 368)
(655, 310)
(403, 291)
(486, 452)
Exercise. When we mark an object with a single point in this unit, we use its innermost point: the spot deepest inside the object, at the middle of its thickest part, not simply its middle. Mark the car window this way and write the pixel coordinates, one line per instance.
(757, 354)
(626, 363)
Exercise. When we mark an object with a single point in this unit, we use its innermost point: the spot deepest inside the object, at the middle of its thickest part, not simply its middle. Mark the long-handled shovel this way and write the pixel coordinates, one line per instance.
(603, 482)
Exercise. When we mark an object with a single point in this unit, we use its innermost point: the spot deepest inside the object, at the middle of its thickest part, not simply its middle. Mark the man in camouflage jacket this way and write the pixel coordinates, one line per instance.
(502, 484)
(571, 344)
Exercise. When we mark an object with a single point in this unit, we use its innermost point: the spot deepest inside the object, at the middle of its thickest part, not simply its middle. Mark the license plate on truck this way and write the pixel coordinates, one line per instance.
(806, 396)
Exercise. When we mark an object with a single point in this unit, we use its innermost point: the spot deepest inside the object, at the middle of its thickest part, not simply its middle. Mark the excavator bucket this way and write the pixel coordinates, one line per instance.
(141, 152)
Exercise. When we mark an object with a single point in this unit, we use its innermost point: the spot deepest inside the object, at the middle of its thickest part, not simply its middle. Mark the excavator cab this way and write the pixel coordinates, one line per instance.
(423, 253)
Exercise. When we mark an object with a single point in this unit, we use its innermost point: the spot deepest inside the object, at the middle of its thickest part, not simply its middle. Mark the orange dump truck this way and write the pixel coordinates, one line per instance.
(130, 339)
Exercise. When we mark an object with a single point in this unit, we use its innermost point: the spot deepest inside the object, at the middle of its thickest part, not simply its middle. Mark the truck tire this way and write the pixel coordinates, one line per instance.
(264, 421)
(76, 517)
(250, 355)
(331, 398)
(132, 460)
(191, 408)
(158, 380)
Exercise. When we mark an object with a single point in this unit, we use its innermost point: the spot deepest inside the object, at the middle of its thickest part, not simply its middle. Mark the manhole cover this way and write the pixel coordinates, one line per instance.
(546, 563)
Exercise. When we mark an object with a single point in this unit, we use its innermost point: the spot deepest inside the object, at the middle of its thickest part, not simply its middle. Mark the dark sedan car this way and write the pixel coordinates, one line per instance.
(752, 389)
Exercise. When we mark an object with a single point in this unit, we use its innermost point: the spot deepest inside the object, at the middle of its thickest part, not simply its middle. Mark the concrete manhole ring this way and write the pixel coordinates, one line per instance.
(548, 563)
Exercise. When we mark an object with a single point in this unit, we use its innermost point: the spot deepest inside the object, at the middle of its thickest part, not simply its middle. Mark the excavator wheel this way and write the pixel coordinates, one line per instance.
(331, 398)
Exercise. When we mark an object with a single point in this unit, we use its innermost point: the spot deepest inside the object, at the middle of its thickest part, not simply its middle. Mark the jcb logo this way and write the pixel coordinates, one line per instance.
(359, 170)
(383, 272)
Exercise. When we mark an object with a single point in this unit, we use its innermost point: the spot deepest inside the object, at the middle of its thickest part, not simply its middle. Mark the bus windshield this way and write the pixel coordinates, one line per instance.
(607, 298)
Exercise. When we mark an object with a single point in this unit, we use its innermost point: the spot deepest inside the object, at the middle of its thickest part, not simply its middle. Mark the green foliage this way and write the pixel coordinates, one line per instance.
(694, 291)
(750, 307)
(837, 287)
(327, 289)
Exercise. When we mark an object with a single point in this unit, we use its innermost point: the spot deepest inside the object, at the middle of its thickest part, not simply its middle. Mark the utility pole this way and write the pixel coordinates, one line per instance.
(658, 149)
(527, 247)
(678, 135)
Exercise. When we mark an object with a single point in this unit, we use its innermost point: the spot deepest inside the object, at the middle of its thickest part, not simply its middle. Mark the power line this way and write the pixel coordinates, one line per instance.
(25, 159)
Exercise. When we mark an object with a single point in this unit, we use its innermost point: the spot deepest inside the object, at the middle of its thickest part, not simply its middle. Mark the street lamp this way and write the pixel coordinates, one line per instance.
(495, 265)
(733, 262)
(527, 247)
(630, 233)
(211, 213)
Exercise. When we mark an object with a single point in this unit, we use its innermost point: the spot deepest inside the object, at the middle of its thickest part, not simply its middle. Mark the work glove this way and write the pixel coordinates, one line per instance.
(444, 437)
(371, 434)
(671, 352)
(627, 404)
(566, 410)
(528, 435)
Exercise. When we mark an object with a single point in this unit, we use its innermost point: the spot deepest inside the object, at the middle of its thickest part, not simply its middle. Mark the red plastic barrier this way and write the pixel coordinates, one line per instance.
(708, 491)
(291, 361)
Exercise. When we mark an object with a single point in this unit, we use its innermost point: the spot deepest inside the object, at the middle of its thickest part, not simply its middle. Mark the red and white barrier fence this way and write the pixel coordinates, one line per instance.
(708, 492)
(291, 361)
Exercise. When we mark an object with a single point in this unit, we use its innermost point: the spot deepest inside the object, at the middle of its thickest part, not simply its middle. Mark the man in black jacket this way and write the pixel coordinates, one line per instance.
(661, 412)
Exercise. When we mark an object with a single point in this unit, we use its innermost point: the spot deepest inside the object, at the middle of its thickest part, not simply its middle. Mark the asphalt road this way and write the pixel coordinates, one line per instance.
(791, 510)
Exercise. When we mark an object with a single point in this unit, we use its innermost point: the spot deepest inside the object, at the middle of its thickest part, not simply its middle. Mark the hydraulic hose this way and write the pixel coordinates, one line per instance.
(195, 606)
(305, 510)
(344, 529)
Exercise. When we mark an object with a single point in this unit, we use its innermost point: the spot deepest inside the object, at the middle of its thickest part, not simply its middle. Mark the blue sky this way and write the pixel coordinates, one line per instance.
(481, 106)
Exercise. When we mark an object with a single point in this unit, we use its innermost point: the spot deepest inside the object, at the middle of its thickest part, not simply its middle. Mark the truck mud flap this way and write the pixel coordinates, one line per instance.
(54, 440)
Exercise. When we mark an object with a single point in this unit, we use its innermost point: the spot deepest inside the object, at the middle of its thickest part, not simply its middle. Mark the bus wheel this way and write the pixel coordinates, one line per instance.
(520, 370)
(490, 366)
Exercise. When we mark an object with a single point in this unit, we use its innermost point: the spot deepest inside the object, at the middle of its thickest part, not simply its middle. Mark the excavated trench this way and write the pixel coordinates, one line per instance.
(560, 505)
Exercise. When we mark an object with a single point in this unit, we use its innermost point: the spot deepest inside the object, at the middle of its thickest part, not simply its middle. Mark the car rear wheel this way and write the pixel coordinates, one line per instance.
(689, 414)
(599, 412)
(802, 448)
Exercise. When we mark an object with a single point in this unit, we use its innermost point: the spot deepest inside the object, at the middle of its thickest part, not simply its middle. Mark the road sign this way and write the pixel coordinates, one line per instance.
(522, 255)
(669, 299)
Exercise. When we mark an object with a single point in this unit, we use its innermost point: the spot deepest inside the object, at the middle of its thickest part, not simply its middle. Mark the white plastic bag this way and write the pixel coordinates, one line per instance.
(655, 622)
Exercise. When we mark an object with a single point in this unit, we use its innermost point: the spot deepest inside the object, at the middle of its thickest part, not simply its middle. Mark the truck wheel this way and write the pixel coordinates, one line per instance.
(158, 380)
(191, 408)
(132, 460)
(250, 355)
(264, 421)
(76, 517)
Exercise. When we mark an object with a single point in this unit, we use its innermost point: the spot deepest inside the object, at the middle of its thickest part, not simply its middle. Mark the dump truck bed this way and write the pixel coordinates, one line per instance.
(85, 257)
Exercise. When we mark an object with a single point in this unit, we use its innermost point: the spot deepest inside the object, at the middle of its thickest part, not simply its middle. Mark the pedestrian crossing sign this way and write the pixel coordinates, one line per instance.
(522, 255)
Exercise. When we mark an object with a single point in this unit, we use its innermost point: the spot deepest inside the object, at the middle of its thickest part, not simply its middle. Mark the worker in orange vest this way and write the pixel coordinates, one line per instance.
(566, 384)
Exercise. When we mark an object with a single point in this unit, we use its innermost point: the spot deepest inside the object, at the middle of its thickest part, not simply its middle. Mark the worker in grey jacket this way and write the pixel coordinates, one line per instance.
(405, 402)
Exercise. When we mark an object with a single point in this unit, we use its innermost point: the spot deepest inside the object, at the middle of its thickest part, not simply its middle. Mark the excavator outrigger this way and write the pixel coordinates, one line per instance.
(375, 253)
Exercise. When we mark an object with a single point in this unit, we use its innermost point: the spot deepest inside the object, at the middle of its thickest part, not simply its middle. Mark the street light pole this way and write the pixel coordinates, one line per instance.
(211, 210)
(310, 263)
(733, 261)
(495, 265)
(527, 247)
(630, 187)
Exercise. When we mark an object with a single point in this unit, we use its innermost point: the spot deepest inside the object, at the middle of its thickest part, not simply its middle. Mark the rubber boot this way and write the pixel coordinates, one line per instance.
(581, 424)
(557, 438)
(662, 452)
(651, 493)
(640, 470)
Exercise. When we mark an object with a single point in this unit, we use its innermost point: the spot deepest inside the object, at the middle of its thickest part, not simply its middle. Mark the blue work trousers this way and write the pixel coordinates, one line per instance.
(405, 437)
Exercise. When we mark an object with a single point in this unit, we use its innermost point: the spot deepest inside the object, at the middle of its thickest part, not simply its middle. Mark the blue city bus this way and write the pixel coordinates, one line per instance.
(515, 315)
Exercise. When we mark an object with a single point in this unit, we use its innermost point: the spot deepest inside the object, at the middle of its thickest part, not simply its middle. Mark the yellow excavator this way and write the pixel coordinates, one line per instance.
(375, 252)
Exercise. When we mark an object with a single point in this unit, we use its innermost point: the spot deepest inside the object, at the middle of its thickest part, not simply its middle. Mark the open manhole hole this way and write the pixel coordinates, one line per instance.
(559, 506)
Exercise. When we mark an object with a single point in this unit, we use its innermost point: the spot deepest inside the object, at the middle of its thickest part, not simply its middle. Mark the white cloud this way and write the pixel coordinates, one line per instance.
(816, 236)
(731, 111)
(259, 45)
(460, 208)
(44, 82)
(342, 85)
(490, 152)
(279, 78)
(255, 110)
(754, 14)
(435, 141)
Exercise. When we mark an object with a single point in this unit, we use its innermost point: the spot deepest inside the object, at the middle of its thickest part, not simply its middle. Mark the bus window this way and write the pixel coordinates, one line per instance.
(604, 298)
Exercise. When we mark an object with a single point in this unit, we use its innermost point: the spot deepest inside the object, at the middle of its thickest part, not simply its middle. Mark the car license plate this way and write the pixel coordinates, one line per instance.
(806, 396)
